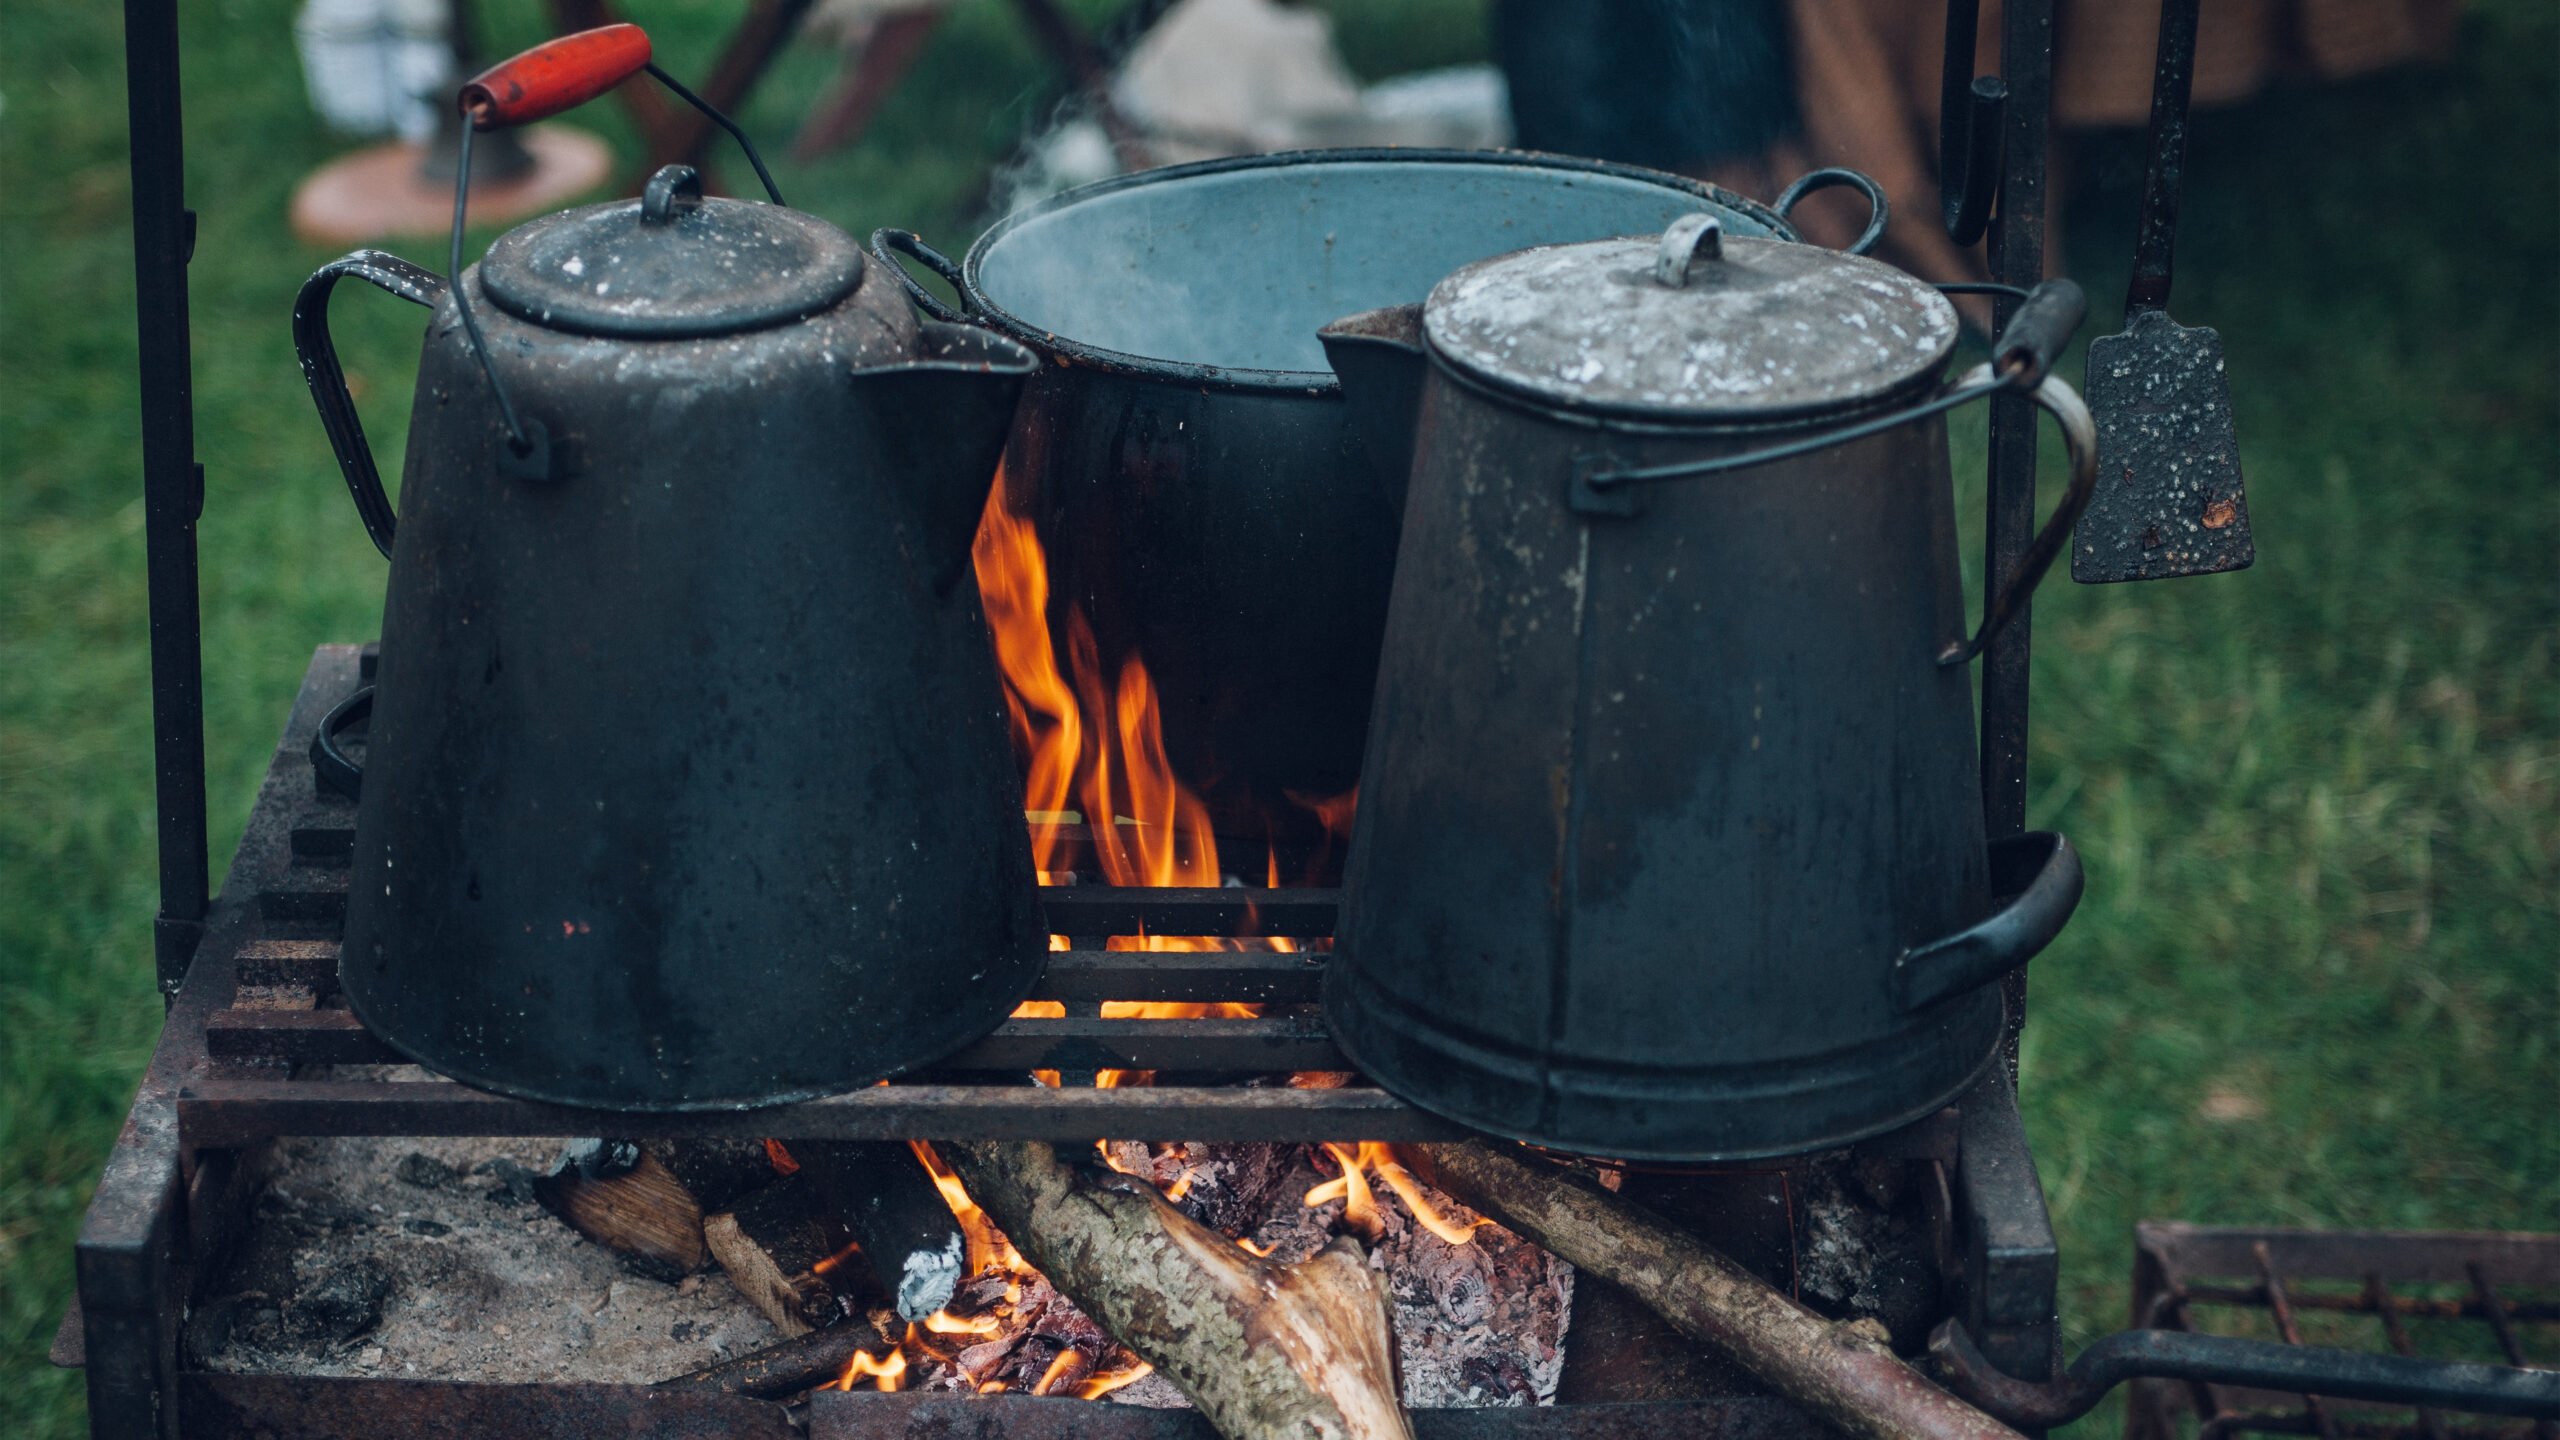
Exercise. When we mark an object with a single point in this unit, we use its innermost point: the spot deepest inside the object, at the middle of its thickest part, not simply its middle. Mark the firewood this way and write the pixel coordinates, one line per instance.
(1845, 1373)
(719, 1173)
(780, 1371)
(1266, 1351)
(912, 1242)
(621, 1198)
(772, 1246)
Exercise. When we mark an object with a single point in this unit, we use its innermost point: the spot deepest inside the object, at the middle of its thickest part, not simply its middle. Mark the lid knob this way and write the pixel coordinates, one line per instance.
(1685, 242)
(671, 194)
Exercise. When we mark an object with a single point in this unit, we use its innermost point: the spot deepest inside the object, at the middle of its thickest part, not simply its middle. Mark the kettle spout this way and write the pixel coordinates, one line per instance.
(942, 420)
(1378, 356)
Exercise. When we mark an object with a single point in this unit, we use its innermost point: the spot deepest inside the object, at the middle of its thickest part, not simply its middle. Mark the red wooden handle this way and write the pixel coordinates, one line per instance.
(554, 76)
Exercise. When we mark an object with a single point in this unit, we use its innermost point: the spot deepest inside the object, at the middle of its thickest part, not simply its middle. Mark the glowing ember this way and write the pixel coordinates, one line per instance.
(1360, 1208)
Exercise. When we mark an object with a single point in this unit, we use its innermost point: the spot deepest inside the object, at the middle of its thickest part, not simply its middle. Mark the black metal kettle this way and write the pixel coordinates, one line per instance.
(687, 783)
(1670, 844)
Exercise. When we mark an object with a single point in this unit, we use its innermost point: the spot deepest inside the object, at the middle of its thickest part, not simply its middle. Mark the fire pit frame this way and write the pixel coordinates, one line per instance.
(177, 1186)
(253, 1009)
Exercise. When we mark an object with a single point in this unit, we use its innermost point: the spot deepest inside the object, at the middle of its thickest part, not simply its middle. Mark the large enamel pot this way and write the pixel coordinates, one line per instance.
(687, 783)
(1185, 451)
(1670, 844)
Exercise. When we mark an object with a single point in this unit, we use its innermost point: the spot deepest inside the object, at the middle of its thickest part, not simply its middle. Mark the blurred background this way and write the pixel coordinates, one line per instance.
(2316, 980)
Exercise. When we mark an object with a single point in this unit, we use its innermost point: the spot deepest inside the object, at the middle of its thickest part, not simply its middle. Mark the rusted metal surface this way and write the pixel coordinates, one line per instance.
(2273, 1284)
(2174, 1263)
(131, 1255)
(869, 1415)
(311, 1407)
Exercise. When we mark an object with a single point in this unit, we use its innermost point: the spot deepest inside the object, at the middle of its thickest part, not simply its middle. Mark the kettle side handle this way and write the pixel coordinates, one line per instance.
(320, 370)
(2040, 874)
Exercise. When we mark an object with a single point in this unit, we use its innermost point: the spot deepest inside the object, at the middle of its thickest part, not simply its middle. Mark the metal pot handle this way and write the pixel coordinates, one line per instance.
(909, 243)
(2235, 1360)
(2021, 361)
(331, 768)
(329, 383)
(1879, 213)
(2080, 438)
(2040, 873)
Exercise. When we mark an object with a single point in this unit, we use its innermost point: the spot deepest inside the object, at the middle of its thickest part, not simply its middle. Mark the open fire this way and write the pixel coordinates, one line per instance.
(1092, 750)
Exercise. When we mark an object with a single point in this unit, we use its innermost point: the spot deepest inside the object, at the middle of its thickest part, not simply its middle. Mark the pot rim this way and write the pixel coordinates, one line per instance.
(1069, 353)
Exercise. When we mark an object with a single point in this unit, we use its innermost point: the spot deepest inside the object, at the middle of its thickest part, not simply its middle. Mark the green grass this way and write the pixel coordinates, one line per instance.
(2319, 800)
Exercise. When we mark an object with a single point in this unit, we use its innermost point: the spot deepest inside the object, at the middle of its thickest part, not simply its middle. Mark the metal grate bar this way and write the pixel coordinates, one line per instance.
(2494, 1306)
(221, 1112)
(2395, 1329)
(2274, 1283)
(337, 1037)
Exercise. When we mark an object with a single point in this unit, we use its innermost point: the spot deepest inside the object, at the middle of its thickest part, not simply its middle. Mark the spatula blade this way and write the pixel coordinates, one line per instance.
(2169, 500)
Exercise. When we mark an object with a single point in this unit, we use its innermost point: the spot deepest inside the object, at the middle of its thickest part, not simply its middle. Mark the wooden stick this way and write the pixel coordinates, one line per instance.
(1843, 1373)
(1266, 1351)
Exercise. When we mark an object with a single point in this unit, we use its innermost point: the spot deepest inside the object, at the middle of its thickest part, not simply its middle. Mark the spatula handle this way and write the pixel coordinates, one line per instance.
(2164, 176)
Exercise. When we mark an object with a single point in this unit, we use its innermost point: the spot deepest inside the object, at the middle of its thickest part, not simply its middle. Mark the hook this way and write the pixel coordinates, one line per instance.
(1971, 110)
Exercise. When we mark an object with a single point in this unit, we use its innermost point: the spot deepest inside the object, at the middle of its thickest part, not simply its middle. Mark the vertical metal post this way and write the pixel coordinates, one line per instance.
(2017, 258)
(172, 482)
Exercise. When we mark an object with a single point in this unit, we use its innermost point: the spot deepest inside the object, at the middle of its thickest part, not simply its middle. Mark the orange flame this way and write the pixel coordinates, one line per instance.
(1095, 1387)
(1360, 1206)
(888, 1374)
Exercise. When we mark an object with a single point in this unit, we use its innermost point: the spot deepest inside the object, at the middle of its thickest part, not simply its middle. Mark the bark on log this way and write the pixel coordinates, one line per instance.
(1266, 1351)
(1844, 1373)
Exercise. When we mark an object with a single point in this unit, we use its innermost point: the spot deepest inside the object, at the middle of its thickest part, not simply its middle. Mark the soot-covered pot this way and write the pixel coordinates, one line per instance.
(687, 783)
(1670, 843)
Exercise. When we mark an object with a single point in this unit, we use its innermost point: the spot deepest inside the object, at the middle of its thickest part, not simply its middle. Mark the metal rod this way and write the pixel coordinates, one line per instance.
(172, 482)
(2017, 258)
(2494, 1306)
(772, 191)
(2274, 1284)
(2164, 176)
(2394, 1329)
(462, 293)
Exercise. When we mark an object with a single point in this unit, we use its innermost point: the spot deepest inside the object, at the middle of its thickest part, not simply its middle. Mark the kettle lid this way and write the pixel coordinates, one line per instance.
(1692, 324)
(670, 265)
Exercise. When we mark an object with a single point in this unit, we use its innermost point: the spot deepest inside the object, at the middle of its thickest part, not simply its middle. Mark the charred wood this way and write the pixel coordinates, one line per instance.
(778, 1371)
(913, 1244)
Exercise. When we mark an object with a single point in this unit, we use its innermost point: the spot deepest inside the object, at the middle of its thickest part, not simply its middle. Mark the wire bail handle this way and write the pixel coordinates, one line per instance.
(554, 76)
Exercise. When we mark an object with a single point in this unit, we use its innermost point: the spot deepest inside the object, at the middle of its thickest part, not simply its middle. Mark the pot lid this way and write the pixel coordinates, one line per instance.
(1691, 324)
(670, 265)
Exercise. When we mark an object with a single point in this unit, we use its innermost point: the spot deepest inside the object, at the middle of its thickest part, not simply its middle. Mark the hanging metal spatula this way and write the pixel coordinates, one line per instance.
(2168, 500)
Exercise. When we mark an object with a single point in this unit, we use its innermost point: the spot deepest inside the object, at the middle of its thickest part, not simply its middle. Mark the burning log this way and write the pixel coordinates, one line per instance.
(1264, 1350)
(915, 1245)
(1845, 1373)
